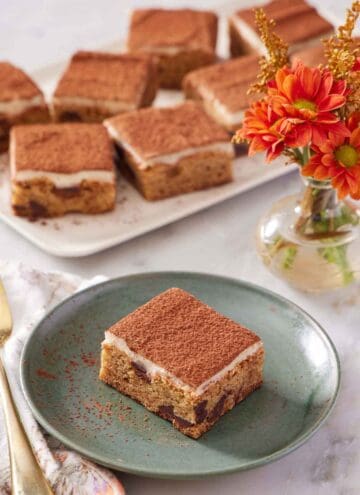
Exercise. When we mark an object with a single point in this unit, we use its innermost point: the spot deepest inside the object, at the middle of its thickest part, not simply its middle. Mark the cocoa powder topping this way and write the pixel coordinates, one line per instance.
(62, 148)
(228, 82)
(153, 132)
(184, 336)
(186, 28)
(15, 84)
(106, 76)
(296, 20)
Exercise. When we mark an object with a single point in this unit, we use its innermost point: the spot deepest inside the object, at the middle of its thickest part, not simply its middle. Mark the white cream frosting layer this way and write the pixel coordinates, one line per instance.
(15, 107)
(110, 106)
(163, 49)
(249, 34)
(224, 115)
(218, 110)
(61, 181)
(153, 369)
(171, 158)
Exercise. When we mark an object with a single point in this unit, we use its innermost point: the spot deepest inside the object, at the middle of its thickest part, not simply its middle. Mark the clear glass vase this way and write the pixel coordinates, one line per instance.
(312, 240)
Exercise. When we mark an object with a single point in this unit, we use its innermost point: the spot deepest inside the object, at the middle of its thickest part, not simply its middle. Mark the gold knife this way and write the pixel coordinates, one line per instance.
(26, 475)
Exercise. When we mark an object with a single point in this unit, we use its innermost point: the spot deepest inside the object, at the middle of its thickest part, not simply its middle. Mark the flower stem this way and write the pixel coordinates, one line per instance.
(337, 256)
(321, 220)
(289, 257)
(305, 155)
(298, 156)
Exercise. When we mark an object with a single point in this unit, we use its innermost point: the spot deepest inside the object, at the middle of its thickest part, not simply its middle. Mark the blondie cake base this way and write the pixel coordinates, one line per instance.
(40, 198)
(190, 413)
(39, 114)
(191, 173)
(72, 112)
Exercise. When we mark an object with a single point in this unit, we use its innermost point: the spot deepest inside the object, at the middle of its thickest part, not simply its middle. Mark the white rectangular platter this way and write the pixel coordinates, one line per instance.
(81, 235)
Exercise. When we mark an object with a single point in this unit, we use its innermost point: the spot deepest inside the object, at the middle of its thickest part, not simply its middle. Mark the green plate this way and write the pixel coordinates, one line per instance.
(60, 365)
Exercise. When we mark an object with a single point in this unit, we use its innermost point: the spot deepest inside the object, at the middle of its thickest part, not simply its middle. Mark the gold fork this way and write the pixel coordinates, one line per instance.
(26, 475)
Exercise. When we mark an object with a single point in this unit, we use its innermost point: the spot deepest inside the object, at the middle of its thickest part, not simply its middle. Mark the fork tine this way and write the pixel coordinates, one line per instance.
(5, 315)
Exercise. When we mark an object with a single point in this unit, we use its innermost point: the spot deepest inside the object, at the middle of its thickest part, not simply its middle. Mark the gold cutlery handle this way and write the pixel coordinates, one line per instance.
(26, 474)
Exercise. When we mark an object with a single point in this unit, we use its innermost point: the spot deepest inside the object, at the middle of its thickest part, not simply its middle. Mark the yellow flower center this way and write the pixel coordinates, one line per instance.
(302, 104)
(347, 155)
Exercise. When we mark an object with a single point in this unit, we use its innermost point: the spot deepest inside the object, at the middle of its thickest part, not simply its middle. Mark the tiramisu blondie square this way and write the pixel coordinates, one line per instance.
(97, 85)
(61, 168)
(182, 360)
(174, 150)
(223, 89)
(21, 101)
(297, 23)
(182, 40)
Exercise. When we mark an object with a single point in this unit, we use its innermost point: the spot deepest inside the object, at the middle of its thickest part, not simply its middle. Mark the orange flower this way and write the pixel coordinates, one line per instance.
(260, 129)
(306, 98)
(338, 158)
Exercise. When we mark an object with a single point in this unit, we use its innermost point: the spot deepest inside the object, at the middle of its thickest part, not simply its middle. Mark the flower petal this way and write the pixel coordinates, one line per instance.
(288, 87)
(325, 86)
(355, 138)
(310, 80)
(331, 102)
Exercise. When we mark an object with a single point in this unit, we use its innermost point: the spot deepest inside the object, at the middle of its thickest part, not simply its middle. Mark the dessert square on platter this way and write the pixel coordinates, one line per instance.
(297, 23)
(61, 168)
(182, 40)
(21, 101)
(223, 89)
(97, 85)
(311, 56)
(173, 150)
(182, 360)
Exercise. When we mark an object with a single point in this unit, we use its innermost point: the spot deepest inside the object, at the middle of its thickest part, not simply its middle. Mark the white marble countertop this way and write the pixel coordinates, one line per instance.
(219, 240)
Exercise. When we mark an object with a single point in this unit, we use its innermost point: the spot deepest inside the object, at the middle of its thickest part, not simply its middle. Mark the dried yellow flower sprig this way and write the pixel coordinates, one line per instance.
(339, 49)
(341, 53)
(277, 51)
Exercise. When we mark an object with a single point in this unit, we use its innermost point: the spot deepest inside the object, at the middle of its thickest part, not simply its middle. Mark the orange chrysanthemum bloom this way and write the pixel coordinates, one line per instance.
(261, 129)
(307, 98)
(338, 159)
(265, 130)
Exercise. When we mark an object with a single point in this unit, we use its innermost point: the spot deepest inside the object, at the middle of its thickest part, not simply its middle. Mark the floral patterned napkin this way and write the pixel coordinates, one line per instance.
(31, 294)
